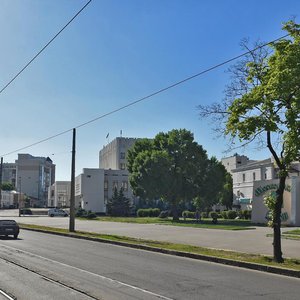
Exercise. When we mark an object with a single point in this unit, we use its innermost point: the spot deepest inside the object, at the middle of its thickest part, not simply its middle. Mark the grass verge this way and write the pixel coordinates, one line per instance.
(292, 264)
(205, 223)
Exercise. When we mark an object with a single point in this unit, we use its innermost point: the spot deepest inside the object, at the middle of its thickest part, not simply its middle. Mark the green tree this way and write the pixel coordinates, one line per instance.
(226, 195)
(263, 102)
(213, 185)
(171, 167)
(118, 205)
(7, 186)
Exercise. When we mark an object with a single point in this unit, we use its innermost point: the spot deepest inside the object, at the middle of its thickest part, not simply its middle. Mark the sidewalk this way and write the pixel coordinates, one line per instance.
(249, 241)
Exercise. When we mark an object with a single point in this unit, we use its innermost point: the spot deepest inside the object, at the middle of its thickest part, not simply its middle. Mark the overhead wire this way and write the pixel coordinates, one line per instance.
(39, 52)
(150, 95)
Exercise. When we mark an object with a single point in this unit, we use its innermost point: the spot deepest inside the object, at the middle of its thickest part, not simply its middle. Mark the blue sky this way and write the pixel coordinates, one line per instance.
(116, 52)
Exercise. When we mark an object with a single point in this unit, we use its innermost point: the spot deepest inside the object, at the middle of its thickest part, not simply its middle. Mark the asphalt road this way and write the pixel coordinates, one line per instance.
(248, 241)
(92, 270)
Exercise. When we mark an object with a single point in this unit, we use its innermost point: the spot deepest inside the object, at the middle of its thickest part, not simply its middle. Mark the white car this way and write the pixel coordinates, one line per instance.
(57, 212)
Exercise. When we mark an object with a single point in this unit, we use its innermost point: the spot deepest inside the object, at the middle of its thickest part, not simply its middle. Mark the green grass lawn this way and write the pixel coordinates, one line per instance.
(293, 264)
(205, 223)
(292, 234)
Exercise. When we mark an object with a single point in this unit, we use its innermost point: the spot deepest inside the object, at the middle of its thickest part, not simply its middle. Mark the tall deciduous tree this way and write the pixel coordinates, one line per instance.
(263, 102)
(172, 166)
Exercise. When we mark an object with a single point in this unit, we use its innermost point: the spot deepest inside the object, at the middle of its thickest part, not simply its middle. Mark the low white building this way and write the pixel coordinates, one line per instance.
(252, 179)
(9, 199)
(94, 187)
(59, 194)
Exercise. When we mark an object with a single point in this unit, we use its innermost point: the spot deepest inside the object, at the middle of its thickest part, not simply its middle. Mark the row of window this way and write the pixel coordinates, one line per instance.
(253, 176)
(115, 185)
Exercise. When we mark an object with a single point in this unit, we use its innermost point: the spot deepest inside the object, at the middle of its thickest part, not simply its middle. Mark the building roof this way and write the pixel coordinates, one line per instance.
(253, 165)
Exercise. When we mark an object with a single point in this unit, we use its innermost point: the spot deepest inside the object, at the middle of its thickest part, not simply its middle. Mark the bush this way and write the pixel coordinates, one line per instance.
(231, 214)
(224, 214)
(80, 212)
(204, 214)
(164, 214)
(213, 215)
(90, 215)
(188, 214)
(155, 212)
(148, 212)
(247, 214)
(141, 213)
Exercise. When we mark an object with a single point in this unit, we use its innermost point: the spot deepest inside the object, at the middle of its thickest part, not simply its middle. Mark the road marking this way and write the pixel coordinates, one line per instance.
(90, 273)
(6, 295)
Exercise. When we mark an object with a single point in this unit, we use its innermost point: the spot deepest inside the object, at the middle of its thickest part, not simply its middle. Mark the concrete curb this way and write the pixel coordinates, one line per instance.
(230, 262)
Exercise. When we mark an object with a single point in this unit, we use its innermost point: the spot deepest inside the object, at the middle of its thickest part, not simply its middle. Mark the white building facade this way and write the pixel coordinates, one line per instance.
(94, 187)
(59, 194)
(253, 179)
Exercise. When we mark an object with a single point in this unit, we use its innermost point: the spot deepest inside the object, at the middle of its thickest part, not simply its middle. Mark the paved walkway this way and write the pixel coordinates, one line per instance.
(249, 241)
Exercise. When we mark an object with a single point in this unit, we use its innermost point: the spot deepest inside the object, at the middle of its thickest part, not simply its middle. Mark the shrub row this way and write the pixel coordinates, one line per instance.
(189, 214)
(85, 214)
(148, 212)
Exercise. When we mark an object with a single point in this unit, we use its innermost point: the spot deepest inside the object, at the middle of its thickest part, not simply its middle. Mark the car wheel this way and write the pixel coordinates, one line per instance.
(15, 236)
(52, 215)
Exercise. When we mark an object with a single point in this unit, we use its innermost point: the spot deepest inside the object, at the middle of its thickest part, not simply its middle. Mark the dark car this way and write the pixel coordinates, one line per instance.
(9, 227)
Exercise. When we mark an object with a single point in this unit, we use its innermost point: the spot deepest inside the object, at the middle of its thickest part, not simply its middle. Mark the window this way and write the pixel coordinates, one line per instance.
(266, 175)
(115, 185)
(253, 176)
(105, 185)
(105, 200)
(122, 165)
(122, 155)
(125, 186)
(88, 176)
(244, 177)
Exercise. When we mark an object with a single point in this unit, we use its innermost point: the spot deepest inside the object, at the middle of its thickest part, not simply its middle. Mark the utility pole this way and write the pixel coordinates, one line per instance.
(72, 200)
(1, 168)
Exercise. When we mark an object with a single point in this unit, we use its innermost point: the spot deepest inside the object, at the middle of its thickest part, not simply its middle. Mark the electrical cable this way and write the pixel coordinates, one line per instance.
(150, 95)
(25, 67)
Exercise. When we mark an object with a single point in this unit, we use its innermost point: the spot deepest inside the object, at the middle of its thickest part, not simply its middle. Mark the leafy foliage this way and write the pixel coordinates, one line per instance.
(173, 167)
(7, 186)
(263, 104)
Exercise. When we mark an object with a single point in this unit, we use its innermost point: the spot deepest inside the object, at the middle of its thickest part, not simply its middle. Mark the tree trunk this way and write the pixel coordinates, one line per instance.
(175, 212)
(277, 253)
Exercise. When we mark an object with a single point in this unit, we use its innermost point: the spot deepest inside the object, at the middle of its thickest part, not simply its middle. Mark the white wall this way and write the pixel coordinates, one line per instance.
(90, 189)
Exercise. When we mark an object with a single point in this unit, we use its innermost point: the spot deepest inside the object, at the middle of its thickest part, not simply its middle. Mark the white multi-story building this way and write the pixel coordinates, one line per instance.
(94, 187)
(113, 155)
(59, 194)
(253, 179)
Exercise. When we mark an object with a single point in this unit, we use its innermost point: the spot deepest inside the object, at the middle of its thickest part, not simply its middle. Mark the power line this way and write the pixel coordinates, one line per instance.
(25, 67)
(150, 95)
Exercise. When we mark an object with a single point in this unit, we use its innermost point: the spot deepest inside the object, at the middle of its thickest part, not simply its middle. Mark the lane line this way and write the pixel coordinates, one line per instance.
(6, 295)
(90, 273)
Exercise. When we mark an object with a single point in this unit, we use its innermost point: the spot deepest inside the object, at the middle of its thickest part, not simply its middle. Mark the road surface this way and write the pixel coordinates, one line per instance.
(248, 241)
(43, 266)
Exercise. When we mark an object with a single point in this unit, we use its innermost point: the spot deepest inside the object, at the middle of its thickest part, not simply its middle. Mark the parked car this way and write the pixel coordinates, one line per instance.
(57, 212)
(9, 227)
